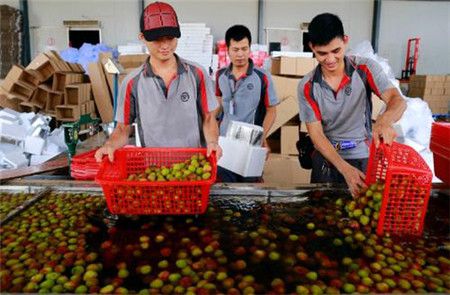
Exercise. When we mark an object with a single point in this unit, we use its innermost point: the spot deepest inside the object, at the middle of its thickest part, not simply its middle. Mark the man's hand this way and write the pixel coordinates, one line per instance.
(354, 179)
(105, 150)
(213, 147)
(382, 130)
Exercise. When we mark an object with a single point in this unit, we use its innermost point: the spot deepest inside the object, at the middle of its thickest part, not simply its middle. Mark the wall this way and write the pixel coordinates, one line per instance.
(356, 15)
(400, 20)
(12, 3)
(429, 20)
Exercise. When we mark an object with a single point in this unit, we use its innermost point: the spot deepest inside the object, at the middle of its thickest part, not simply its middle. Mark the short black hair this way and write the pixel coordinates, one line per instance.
(324, 28)
(238, 33)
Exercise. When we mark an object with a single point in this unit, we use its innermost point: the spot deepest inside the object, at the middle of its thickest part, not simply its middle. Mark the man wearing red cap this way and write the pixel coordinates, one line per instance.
(172, 100)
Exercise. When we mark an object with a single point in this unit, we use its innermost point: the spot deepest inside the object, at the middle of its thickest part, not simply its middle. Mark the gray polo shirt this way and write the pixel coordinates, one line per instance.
(169, 116)
(346, 114)
(246, 98)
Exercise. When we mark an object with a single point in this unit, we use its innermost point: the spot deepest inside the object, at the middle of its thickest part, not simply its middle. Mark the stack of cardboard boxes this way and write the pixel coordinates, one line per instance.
(434, 89)
(10, 38)
(49, 85)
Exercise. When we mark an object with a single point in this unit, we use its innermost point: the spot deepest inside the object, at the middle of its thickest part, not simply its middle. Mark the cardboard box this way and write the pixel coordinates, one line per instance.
(132, 60)
(281, 169)
(67, 113)
(77, 94)
(22, 90)
(40, 95)
(293, 66)
(18, 73)
(101, 93)
(61, 80)
(28, 107)
(437, 90)
(242, 158)
(285, 87)
(53, 99)
(76, 68)
(42, 67)
(289, 138)
(286, 110)
(9, 101)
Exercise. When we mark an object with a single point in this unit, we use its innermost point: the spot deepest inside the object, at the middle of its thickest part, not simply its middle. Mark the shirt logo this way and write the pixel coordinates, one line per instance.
(348, 90)
(250, 86)
(184, 96)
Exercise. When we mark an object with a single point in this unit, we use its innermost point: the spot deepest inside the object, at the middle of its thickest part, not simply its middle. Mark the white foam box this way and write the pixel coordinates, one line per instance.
(34, 145)
(241, 157)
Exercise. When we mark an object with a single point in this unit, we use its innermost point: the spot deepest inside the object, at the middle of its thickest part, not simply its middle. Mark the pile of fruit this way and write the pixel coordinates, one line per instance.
(9, 202)
(195, 168)
(322, 245)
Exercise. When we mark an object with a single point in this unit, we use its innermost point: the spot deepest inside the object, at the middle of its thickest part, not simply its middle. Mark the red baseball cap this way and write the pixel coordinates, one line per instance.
(158, 20)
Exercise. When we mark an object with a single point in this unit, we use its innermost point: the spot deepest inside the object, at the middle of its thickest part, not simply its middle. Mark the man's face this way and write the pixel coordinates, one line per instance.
(239, 52)
(162, 48)
(331, 56)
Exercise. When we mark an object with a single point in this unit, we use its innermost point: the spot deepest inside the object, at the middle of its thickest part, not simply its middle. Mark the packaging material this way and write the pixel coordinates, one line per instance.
(289, 138)
(286, 110)
(196, 43)
(12, 159)
(242, 158)
(132, 60)
(293, 66)
(101, 93)
(77, 94)
(9, 101)
(87, 54)
(434, 89)
(68, 113)
(34, 145)
(415, 123)
(61, 80)
(285, 86)
(282, 169)
(248, 133)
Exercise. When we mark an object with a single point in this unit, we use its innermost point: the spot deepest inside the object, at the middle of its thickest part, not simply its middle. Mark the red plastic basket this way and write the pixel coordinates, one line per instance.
(439, 145)
(136, 197)
(84, 166)
(407, 180)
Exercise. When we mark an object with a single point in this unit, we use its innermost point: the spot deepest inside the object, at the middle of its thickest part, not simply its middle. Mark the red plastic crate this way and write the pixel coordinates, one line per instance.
(440, 146)
(84, 166)
(136, 197)
(407, 180)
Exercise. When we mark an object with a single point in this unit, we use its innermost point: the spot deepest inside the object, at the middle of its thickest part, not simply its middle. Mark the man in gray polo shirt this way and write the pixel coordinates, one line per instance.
(171, 99)
(246, 92)
(334, 101)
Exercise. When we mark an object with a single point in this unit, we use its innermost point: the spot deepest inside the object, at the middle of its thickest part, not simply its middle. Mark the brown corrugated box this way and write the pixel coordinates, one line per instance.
(68, 113)
(281, 169)
(293, 66)
(61, 80)
(285, 87)
(286, 110)
(77, 94)
(132, 60)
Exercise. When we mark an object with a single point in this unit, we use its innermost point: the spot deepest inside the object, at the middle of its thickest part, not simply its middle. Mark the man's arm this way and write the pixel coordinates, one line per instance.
(118, 139)
(353, 177)
(395, 106)
(211, 132)
(269, 119)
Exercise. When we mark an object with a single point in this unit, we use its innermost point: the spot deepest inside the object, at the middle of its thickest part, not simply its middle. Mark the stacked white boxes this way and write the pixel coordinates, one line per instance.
(196, 43)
